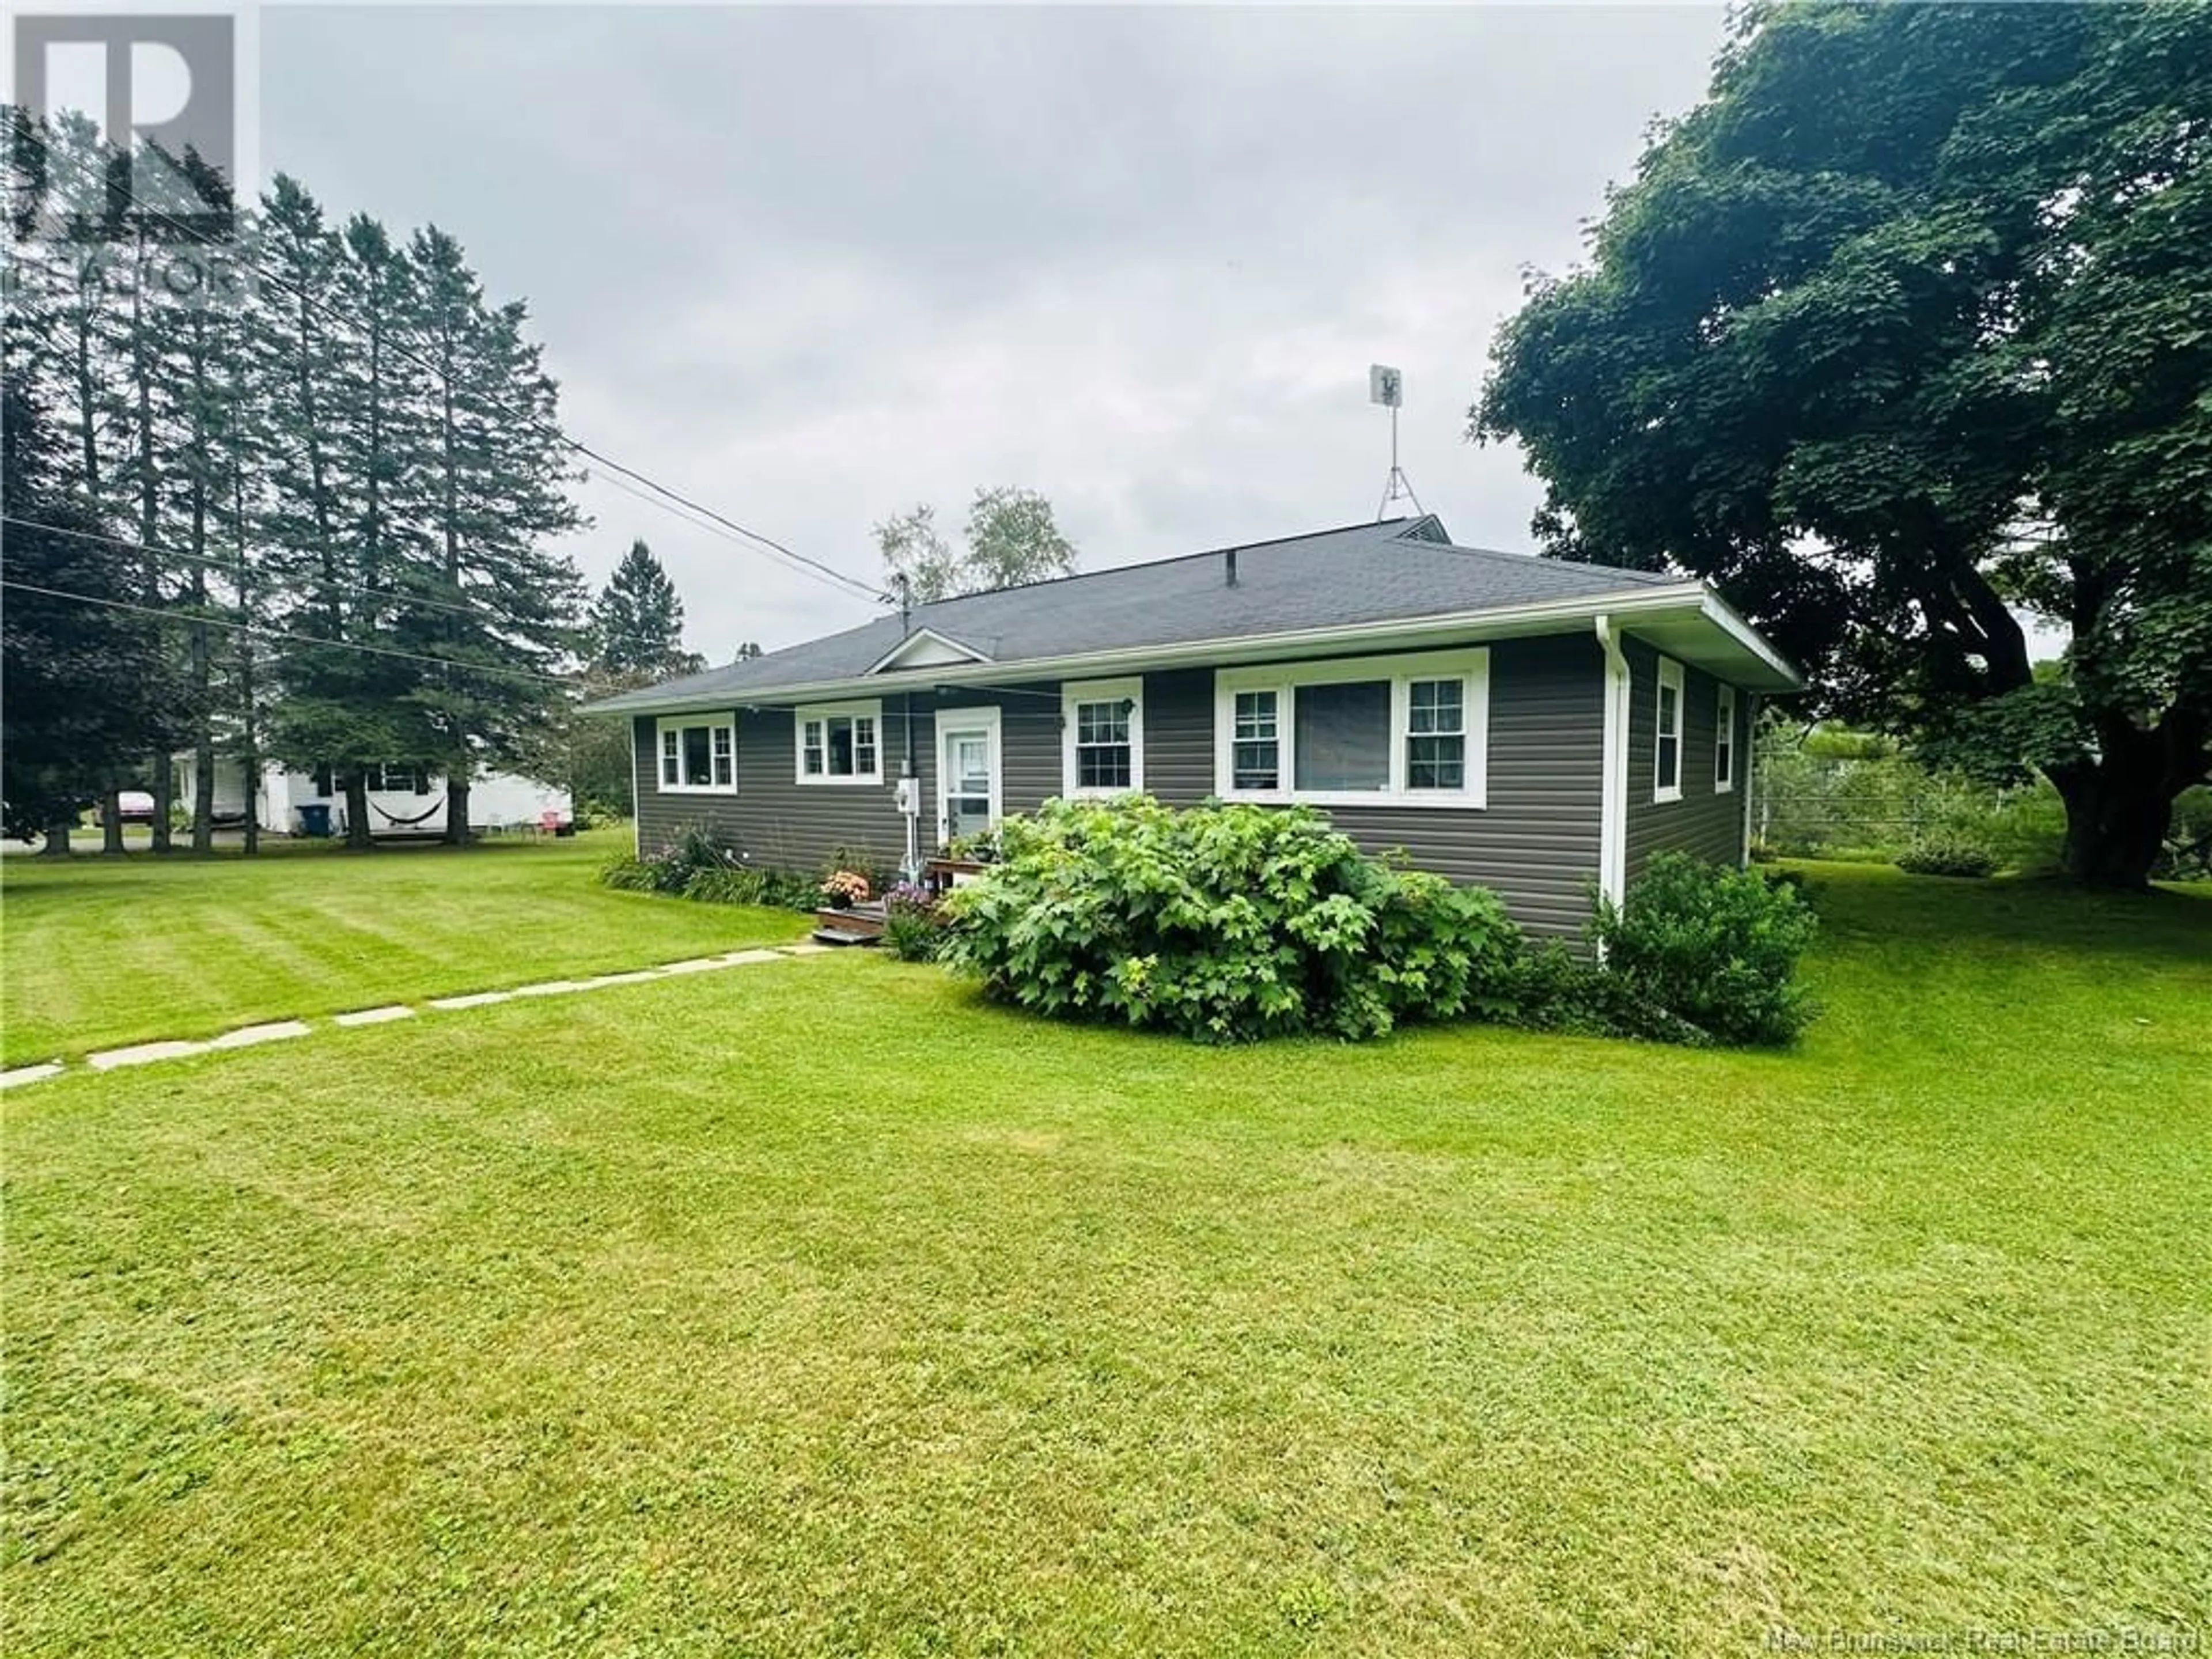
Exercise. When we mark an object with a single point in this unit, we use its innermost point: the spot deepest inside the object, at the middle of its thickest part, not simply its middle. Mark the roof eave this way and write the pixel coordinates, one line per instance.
(1503, 622)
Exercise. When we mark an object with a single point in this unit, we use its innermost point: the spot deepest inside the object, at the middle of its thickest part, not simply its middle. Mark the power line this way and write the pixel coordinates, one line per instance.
(801, 560)
(400, 597)
(258, 632)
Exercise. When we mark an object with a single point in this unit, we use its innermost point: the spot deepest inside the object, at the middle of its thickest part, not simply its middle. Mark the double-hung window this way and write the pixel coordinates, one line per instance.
(1256, 760)
(841, 743)
(1724, 741)
(1406, 731)
(1666, 747)
(1102, 736)
(699, 754)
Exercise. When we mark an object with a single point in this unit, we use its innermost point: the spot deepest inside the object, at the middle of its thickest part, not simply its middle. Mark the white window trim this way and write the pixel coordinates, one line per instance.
(668, 723)
(1724, 740)
(1073, 692)
(1670, 677)
(869, 708)
(950, 720)
(1471, 667)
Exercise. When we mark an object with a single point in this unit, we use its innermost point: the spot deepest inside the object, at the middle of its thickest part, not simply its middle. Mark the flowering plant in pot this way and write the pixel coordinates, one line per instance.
(844, 889)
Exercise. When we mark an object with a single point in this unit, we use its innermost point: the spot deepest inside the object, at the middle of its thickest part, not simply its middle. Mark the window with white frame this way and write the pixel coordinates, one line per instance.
(395, 779)
(699, 754)
(1256, 758)
(1102, 736)
(1667, 749)
(841, 743)
(1402, 731)
(1725, 742)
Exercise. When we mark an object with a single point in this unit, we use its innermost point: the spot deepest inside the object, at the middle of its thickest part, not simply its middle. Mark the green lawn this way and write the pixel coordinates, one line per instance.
(99, 952)
(812, 1308)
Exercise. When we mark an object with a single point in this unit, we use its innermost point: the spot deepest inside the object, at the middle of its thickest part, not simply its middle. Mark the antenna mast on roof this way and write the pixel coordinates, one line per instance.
(1387, 386)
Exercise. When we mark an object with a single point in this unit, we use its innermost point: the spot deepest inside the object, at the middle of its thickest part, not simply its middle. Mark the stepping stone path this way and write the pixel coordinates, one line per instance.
(248, 1037)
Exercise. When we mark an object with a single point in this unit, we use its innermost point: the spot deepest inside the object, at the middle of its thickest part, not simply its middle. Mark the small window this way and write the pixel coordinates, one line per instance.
(1436, 734)
(1258, 762)
(1102, 744)
(1725, 742)
(840, 743)
(698, 755)
(1667, 751)
(1103, 737)
(395, 779)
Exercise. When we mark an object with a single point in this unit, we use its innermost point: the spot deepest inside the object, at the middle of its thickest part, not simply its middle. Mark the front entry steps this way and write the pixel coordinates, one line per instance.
(863, 924)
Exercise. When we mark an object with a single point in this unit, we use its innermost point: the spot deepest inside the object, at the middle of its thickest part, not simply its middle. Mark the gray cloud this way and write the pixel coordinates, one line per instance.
(812, 266)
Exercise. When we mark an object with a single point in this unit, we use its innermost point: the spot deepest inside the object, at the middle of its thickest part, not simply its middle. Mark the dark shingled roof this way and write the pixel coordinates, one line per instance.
(1399, 569)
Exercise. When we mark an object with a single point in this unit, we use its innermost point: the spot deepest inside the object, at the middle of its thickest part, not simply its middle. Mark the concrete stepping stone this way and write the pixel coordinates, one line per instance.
(140, 1053)
(473, 1000)
(375, 1016)
(246, 1036)
(806, 949)
(693, 965)
(635, 976)
(38, 1073)
(737, 958)
(551, 987)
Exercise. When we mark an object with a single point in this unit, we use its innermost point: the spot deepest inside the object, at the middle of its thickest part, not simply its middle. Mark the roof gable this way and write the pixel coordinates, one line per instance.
(926, 648)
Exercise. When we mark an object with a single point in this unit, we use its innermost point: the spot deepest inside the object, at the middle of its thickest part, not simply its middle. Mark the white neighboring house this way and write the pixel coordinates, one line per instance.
(402, 801)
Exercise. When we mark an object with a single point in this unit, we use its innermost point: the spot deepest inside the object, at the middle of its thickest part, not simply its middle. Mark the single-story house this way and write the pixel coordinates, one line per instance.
(1529, 724)
(403, 800)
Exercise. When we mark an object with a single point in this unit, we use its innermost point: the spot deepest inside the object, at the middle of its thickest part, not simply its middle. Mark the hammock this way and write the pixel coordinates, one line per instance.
(434, 808)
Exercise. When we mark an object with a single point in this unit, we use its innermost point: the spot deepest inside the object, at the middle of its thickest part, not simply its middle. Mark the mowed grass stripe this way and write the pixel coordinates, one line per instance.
(104, 953)
(822, 1311)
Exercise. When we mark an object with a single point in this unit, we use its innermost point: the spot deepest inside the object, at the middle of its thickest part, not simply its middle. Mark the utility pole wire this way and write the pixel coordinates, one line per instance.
(171, 613)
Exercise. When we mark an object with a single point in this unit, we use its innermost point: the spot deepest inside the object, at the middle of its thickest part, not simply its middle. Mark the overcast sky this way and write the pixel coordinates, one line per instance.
(814, 266)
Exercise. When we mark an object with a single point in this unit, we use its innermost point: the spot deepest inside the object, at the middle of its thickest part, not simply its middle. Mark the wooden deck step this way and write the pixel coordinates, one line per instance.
(844, 936)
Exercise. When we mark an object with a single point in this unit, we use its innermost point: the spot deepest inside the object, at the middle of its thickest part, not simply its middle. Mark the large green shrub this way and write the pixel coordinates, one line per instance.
(1707, 948)
(1224, 923)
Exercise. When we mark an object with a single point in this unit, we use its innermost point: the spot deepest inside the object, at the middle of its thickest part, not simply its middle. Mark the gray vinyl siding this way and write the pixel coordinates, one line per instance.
(1535, 842)
(775, 820)
(1705, 822)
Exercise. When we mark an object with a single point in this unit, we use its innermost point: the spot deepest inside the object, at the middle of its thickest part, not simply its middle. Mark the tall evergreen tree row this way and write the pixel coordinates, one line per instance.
(337, 463)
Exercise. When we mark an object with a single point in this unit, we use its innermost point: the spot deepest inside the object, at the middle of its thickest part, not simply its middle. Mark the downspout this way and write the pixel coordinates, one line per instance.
(1748, 747)
(1612, 798)
(910, 783)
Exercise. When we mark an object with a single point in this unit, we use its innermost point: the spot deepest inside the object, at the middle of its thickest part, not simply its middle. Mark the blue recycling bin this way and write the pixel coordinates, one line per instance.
(315, 820)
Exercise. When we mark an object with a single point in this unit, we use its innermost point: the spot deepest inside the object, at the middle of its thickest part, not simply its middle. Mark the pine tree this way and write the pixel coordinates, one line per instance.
(84, 691)
(506, 612)
(637, 621)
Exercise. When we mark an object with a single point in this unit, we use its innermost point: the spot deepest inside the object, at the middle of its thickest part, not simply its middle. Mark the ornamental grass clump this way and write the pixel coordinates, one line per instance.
(1224, 923)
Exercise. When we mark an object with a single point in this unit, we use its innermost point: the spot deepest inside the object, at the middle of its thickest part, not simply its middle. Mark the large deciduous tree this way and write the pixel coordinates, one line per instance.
(1903, 332)
(1010, 536)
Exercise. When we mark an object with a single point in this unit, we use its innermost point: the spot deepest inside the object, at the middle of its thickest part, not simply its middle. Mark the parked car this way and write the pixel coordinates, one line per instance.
(134, 806)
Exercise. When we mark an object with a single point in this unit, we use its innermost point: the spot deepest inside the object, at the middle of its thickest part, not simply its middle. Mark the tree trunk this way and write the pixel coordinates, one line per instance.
(165, 800)
(356, 800)
(2117, 810)
(457, 809)
(203, 791)
(111, 822)
(57, 839)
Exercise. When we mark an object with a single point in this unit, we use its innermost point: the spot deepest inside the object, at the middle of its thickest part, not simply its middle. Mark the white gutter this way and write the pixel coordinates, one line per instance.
(1613, 797)
(1559, 615)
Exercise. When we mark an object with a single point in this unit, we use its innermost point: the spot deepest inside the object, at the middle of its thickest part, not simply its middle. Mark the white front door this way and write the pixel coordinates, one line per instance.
(967, 762)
